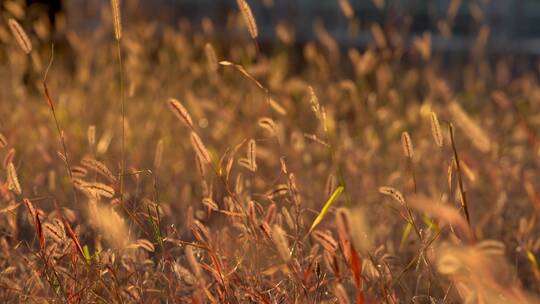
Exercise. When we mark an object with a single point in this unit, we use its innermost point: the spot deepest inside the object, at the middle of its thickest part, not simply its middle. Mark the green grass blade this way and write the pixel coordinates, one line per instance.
(325, 208)
(405, 235)
(87, 255)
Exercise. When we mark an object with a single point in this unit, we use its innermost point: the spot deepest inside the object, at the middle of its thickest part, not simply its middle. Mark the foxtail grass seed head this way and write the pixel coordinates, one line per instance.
(79, 171)
(268, 124)
(9, 157)
(180, 111)
(12, 179)
(211, 57)
(280, 240)
(115, 6)
(247, 14)
(98, 167)
(92, 135)
(326, 240)
(346, 8)
(20, 36)
(436, 129)
(252, 155)
(470, 128)
(100, 189)
(395, 194)
(193, 263)
(341, 294)
(199, 148)
(314, 100)
(331, 185)
(407, 145)
(158, 155)
(3, 141)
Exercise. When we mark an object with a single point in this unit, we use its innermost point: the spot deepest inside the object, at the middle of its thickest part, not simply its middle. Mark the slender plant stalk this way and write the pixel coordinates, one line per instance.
(123, 110)
(58, 129)
(460, 178)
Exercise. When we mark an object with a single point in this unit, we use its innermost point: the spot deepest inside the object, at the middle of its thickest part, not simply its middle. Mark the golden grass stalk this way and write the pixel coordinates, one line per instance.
(54, 231)
(199, 148)
(331, 184)
(252, 155)
(9, 157)
(20, 36)
(344, 231)
(436, 129)
(470, 128)
(407, 145)
(463, 193)
(192, 261)
(326, 240)
(346, 8)
(314, 100)
(115, 6)
(270, 214)
(200, 165)
(248, 18)
(181, 112)
(211, 57)
(280, 240)
(3, 141)
(273, 104)
(158, 155)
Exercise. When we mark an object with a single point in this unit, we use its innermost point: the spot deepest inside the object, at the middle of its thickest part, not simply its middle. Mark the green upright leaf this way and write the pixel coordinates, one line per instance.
(325, 208)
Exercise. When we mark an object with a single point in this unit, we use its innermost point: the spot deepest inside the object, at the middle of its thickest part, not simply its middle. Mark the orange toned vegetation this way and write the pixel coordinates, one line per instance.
(154, 163)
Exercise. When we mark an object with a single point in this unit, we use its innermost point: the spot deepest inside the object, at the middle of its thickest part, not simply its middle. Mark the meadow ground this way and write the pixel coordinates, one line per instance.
(145, 163)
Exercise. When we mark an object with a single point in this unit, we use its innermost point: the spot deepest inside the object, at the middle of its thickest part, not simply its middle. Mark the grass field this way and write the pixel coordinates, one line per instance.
(146, 163)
